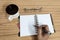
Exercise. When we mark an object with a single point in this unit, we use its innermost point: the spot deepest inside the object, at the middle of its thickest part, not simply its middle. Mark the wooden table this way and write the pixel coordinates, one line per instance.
(9, 30)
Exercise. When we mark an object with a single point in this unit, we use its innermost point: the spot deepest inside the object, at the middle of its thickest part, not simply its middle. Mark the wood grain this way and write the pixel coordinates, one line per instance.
(9, 30)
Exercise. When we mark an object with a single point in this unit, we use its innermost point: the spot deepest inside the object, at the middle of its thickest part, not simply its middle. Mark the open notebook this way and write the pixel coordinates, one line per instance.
(27, 23)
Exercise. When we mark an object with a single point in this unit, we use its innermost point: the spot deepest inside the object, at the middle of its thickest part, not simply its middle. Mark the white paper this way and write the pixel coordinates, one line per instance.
(45, 19)
(27, 23)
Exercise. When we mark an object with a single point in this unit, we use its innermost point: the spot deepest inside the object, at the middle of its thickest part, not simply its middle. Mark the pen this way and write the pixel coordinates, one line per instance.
(19, 25)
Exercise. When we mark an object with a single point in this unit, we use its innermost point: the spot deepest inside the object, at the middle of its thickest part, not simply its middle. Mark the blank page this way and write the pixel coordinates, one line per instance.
(27, 25)
(45, 19)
